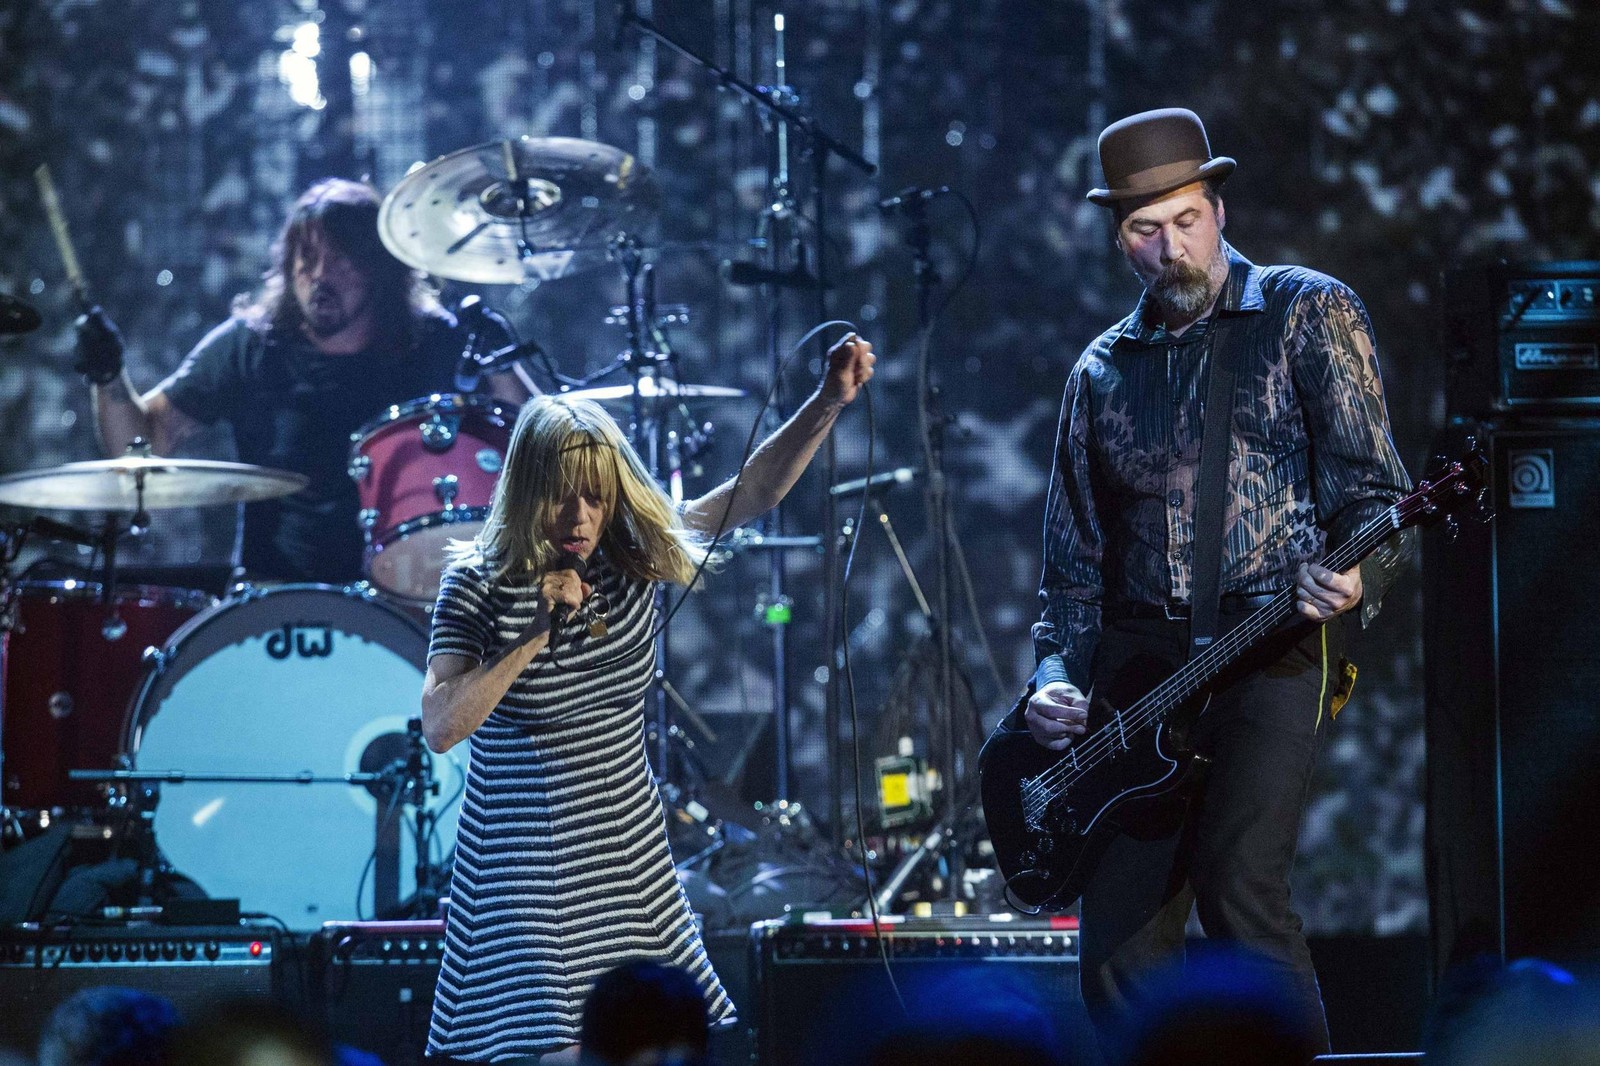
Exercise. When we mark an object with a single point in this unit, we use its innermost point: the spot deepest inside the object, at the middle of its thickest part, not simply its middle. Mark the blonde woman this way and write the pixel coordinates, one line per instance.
(541, 655)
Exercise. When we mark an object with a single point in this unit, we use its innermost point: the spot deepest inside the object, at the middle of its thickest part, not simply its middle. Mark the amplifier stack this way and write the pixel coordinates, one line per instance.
(1509, 626)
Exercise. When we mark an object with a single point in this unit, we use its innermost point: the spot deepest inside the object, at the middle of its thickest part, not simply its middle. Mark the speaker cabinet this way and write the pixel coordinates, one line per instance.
(194, 967)
(822, 997)
(1512, 641)
(373, 982)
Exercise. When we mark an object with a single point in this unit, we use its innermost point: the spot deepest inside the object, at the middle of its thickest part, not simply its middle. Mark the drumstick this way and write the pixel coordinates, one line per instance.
(58, 227)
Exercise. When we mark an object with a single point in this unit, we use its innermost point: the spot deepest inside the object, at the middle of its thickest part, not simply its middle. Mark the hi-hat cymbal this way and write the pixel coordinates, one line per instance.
(115, 484)
(651, 388)
(16, 316)
(500, 212)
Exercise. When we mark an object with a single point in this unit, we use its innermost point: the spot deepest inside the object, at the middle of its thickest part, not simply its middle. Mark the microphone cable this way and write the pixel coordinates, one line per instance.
(733, 492)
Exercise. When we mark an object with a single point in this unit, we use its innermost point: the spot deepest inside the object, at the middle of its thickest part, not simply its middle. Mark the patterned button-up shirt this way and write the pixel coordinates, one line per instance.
(1310, 458)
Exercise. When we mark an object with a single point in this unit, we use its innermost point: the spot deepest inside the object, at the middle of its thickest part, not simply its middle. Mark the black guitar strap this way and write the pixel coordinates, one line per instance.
(1211, 488)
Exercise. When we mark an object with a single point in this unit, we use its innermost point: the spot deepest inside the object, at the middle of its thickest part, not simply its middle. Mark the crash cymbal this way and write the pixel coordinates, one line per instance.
(651, 388)
(114, 484)
(501, 212)
(16, 316)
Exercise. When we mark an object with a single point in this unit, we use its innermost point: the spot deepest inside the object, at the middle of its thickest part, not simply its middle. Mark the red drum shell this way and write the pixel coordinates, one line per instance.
(72, 666)
(402, 464)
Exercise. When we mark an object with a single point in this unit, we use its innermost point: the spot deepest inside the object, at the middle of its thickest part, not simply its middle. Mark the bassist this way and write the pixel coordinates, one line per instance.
(1309, 458)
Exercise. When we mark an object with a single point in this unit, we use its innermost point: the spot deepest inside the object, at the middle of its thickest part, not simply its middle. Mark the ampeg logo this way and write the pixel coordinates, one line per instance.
(1532, 478)
(1548, 355)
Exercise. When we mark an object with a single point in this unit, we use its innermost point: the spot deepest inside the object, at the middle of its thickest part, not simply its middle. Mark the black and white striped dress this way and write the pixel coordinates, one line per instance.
(562, 869)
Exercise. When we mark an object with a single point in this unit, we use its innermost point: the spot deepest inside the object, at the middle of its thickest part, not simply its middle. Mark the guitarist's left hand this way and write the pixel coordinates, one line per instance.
(1321, 594)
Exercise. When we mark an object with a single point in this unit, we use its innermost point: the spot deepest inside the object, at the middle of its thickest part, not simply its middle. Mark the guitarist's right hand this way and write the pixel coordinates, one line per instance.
(1057, 715)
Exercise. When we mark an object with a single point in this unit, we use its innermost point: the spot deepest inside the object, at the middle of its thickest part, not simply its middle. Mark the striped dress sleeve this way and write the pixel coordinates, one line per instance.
(463, 618)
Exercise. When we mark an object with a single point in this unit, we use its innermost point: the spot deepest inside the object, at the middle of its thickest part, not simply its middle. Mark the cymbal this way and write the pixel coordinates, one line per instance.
(501, 212)
(651, 388)
(16, 316)
(113, 484)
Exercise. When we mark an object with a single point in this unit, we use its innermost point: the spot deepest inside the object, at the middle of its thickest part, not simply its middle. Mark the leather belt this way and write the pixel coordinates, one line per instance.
(1231, 603)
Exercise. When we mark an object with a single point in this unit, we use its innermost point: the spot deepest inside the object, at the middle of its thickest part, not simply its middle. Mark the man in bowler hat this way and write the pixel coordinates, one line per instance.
(1309, 460)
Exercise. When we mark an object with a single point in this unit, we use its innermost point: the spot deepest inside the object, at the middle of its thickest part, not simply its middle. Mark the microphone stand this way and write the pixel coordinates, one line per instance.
(777, 104)
(932, 422)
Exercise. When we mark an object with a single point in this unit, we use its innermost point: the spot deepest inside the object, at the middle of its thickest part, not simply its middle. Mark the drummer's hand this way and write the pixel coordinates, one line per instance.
(99, 347)
(849, 367)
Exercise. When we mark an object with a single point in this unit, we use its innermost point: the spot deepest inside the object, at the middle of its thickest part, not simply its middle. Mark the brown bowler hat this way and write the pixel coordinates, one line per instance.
(1155, 152)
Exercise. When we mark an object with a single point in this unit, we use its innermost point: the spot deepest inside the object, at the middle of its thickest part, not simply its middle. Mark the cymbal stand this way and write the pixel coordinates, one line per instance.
(647, 349)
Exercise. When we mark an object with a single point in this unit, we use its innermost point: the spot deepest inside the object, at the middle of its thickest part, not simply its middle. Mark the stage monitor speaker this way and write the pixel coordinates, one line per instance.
(372, 984)
(1512, 643)
(821, 996)
(194, 967)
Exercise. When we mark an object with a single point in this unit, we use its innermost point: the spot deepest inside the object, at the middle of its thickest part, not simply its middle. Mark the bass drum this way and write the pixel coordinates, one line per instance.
(283, 681)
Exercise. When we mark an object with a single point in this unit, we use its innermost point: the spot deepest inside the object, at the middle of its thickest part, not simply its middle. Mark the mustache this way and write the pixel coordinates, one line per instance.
(1181, 275)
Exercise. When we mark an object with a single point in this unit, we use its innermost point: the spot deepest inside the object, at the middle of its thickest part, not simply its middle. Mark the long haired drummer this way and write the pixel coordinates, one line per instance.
(541, 654)
(339, 331)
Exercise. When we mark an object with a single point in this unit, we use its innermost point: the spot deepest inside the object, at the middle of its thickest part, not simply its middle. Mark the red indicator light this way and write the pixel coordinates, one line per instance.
(255, 949)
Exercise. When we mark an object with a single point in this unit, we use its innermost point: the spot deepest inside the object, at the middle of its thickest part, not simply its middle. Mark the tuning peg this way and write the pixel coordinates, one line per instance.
(1481, 511)
(1452, 528)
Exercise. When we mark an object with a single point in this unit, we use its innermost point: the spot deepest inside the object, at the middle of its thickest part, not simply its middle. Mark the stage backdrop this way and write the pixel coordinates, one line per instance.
(1381, 142)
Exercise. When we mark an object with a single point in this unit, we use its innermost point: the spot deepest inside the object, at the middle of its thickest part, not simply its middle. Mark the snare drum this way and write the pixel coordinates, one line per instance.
(280, 681)
(425, 473)
(72, 664)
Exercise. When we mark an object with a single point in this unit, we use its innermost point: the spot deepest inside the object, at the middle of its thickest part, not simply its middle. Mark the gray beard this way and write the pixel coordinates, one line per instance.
(1184, 291)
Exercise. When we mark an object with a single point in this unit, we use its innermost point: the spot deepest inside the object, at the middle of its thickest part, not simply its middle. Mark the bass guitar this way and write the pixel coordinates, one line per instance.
(1050, 812)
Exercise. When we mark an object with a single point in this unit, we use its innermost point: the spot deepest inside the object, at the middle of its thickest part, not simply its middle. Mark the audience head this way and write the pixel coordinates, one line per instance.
(1222, 1005)
(1531, 1011)
(252, 1033)
(643, 1012)
(109, 1027)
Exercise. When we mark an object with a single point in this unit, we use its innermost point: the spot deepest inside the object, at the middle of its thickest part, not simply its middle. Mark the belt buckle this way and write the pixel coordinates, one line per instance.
(1167, 609)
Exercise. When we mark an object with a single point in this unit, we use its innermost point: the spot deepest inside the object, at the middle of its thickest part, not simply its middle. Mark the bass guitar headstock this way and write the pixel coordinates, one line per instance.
(1454, 489)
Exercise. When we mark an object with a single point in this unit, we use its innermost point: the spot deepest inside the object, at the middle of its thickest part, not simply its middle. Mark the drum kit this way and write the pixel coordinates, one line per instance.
(286, 712)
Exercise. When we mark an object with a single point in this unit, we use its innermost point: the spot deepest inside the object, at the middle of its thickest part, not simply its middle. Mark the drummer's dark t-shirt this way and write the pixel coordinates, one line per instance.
(294, 408)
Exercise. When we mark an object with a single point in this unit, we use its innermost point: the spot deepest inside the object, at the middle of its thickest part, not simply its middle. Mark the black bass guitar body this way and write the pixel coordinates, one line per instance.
(1047, 847)
(1050, 812)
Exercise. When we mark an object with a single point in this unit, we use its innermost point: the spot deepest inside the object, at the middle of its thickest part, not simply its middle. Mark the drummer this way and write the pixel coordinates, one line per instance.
(339, 331)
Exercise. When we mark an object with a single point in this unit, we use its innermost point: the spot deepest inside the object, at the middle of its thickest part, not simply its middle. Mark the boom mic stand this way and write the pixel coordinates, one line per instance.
(933, 423)
(777, 104)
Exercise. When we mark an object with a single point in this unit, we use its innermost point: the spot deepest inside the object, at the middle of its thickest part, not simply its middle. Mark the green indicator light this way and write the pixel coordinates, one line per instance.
(778, 614)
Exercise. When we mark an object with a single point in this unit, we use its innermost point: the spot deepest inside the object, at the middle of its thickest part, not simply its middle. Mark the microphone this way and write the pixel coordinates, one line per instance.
(479, 318)
(567, 561)
(739, 272)
(911, 200)
(470, 315)
(902, 475)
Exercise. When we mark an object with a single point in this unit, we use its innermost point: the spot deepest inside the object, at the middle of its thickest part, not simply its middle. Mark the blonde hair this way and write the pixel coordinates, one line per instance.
(560, 446)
